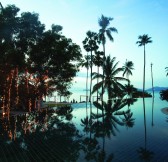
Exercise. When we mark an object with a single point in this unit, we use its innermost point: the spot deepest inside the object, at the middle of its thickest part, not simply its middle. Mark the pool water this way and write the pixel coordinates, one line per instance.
(45, 136)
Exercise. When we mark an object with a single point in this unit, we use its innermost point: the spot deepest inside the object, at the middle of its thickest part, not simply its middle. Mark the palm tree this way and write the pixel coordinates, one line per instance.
(104, 23)
(86, 63)
(111, 82)
(143, 40)
(127, 67)
(90, 45)
(98, 61)
(152, 79)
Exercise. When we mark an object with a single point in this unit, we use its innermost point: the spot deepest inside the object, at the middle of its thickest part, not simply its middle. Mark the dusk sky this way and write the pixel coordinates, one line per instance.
(131, 18)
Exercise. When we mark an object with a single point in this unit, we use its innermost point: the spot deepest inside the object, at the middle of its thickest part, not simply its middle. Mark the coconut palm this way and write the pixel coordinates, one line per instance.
(86, 63)
(98, 61)
(143, 40)
(127, 69)
(111, 80)
(90, 45)
(104, 23)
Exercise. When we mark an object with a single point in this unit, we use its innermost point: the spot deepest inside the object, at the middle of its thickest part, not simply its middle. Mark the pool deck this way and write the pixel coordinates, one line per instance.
(45, 105)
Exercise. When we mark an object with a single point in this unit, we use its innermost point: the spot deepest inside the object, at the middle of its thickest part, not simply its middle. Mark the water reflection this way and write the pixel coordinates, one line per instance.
(144, 153)
(103, 126)
(152, 109)
(50, 135)
(113, 115)
(39, 136)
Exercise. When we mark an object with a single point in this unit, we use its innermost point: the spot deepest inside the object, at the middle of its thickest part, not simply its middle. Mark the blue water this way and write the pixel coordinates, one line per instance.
(46, 136)
(127, 141)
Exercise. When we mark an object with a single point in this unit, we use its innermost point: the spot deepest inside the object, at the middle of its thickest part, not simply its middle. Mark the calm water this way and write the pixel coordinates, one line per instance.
(45, 136)
(127, 141)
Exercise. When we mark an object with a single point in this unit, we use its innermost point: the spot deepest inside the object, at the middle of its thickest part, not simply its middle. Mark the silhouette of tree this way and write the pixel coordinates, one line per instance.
(104, 30)
(98, 61)
(90, 45)
(34, 60)
(111, 82)
(143, 40)
(127, 69)
(86, 63)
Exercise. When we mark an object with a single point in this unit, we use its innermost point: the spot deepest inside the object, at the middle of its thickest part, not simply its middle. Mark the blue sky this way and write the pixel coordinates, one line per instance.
(131, 18)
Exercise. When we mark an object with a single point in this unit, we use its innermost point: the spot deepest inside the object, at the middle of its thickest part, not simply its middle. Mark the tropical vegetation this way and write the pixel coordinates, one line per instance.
(34, 62)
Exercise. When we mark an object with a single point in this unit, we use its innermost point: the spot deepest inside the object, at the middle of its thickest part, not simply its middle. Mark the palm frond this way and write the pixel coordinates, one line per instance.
(97, 87)
(108, 32)
(98, 105)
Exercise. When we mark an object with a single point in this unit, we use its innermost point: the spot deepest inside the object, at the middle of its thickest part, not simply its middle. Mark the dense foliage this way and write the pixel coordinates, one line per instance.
(34, 62)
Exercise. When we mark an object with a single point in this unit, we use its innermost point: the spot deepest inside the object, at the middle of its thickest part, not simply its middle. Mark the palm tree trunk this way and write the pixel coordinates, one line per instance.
(153, 94)
(144, 92)
(87, 91)
(144, 73)
(103, 69)
(97, 82)
(152, 79)
(97, 90)
(91, 87)
(102, 84)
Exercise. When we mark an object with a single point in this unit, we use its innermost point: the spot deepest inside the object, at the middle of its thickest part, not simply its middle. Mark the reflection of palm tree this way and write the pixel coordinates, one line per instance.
(110, 120)
(90, 146)
(103, 158)
(110, 81)
(145, 154)
(128, 120)
(86, 123)
(152, 110)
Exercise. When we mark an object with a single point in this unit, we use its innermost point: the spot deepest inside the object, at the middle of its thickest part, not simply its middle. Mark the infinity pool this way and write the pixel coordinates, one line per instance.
(52, 136)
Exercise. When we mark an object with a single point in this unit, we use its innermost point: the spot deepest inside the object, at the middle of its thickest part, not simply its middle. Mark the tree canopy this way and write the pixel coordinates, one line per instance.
(34, 61)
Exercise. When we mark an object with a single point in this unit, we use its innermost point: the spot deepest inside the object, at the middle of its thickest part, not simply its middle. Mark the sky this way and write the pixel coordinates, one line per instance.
(130, 17)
